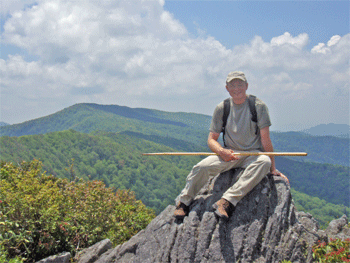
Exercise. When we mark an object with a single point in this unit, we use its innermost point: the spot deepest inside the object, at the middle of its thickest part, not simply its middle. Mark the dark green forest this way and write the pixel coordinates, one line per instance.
(117, 160)
(113, 158)
(105, 142)
(188, 128)
(322, 149)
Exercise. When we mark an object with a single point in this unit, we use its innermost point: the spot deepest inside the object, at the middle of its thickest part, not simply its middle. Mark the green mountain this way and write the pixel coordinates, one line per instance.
(321, 149)
(115, 158)
(87, 117)
(326, 181)
(105, 142)
(188, 127)
(330, 129)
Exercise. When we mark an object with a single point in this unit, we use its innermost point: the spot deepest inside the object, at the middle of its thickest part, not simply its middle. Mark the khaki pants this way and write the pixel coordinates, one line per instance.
(256, 167)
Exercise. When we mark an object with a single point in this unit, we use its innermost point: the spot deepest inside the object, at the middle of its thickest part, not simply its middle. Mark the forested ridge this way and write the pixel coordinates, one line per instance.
(323, 149)
(115, 158)
(105, 142)
(186, 127)
(113, 118)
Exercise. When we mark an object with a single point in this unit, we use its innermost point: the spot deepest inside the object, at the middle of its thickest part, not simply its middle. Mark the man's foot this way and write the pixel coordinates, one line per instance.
(181, 211)
(223, 208)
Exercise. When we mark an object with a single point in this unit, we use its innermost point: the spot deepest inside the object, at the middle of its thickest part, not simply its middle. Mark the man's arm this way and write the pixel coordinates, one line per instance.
(268, 147)
(226, 154)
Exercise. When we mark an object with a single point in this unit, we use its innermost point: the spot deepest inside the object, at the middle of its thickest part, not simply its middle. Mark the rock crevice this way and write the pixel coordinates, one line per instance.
(265, 227)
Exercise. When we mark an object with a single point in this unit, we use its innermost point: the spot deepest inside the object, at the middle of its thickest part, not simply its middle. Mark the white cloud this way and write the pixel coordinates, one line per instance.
(135, 53)
(286, 39)
(9, 6)
(168, 21)
(320, 48)
(334, 40)
(326, 49)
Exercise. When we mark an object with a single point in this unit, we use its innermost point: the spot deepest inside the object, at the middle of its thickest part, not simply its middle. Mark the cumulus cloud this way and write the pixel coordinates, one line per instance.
(299, 41)
(137, 54)
(326, 48)
(334, 40)
(9, 6)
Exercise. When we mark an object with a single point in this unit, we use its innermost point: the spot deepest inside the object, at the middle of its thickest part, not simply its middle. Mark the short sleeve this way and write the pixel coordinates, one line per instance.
(263, 115)
(216, 121)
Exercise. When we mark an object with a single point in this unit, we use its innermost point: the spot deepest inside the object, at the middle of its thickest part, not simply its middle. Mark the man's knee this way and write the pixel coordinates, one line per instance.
(206, 165)
(200, 168)
(265, 161)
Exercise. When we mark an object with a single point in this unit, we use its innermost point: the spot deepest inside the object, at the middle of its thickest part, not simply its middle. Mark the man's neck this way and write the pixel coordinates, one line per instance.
(240, 101)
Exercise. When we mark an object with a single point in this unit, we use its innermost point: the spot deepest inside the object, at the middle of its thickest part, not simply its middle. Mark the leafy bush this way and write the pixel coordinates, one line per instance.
(334, 251)
(41, 215)
(4, 257)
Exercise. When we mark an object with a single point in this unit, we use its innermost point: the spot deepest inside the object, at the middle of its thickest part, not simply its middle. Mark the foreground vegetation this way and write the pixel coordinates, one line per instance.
(42, 215)
(334, 250)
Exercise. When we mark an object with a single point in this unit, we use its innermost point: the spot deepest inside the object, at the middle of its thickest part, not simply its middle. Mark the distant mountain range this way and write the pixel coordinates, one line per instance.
(190, 128)
(89, 117)
(3, 123)
(331, 129)
(105, 142)
(142, 114)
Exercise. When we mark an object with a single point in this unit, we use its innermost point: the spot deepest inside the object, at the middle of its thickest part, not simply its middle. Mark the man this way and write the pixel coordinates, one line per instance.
(240, 136)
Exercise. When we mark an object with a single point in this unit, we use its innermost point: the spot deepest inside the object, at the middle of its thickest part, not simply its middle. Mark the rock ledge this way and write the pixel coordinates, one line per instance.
(265, 227)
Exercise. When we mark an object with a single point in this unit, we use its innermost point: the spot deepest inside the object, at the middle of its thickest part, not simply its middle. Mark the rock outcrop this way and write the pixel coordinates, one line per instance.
(61, 258)
(265, 227)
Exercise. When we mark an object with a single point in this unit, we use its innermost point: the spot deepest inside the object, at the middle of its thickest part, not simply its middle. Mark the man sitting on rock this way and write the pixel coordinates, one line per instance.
(241, 134)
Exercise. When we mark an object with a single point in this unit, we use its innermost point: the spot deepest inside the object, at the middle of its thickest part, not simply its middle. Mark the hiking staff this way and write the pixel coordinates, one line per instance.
(235, 153)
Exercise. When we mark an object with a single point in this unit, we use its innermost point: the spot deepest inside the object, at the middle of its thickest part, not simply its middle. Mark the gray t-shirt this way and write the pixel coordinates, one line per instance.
(240, 129)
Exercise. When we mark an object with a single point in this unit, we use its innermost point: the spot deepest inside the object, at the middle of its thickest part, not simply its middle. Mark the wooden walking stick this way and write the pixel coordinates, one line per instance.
(236, 153)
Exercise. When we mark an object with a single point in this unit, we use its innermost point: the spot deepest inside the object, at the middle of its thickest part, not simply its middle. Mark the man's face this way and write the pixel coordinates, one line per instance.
(237, 89)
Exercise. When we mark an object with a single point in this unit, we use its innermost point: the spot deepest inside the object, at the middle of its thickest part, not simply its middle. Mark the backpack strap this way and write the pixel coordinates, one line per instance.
(251, 102)
(227, 106)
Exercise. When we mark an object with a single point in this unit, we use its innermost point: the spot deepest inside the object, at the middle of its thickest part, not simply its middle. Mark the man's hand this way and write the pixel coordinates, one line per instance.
(278, 173)
(227, 155)
(267, 145)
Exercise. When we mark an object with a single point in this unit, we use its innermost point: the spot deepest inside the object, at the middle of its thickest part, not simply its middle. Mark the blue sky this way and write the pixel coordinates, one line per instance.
(175, 56)
(237, 22)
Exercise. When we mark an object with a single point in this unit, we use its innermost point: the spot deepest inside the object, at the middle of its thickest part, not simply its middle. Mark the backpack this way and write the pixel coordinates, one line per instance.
(227, 105)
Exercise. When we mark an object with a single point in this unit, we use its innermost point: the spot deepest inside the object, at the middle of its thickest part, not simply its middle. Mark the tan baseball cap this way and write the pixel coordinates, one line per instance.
(236, 75)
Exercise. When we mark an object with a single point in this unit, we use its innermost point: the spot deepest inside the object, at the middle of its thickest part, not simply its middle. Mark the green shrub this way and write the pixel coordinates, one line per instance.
(41, 215)
(4, 257)
(334, 251)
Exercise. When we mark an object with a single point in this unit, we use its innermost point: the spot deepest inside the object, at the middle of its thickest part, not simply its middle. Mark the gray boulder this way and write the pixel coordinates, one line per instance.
(264, 227)
(61, 258)
(338, 228)
(93, 253)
